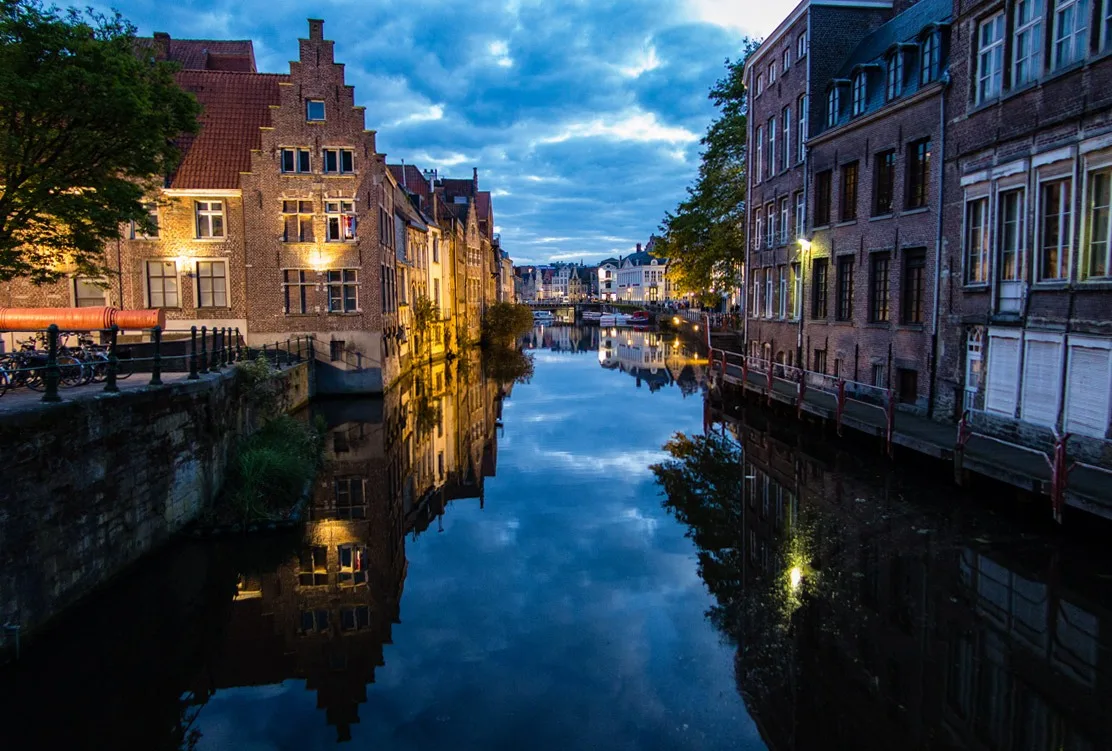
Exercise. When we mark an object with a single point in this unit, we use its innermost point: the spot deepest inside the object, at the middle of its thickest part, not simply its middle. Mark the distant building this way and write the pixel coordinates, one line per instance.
(642, 277)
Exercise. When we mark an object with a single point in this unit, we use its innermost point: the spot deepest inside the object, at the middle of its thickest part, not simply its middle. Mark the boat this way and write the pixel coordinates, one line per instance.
(615, 319)
(592, 315)
(641, 316)
(543, 316)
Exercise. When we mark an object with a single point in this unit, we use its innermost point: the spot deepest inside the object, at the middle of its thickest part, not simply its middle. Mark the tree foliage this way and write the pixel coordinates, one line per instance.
(505, 321)
(88, 123)
(704, 238)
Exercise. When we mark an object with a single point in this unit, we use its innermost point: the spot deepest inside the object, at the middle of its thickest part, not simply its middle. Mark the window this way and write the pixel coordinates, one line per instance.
(786, 61)
(89, 293)
(819, 362)
(849, 192)
(1027, 42)
(1010, 236)
(822, 198)
(162, 284)
(818, 287)
(833, 104)
(878, 287)
(884, 181)
(990, 57)
(770, 225)
(800, 214)
(1071, 31)
(928, 58)
(313, 570)
(1099, 234)
(797, 292)
(1106, 26)
(760, 84)
(768, 292)
(918, 173)
(801, 46)
(801, 136)
(760, 153)
(436, 294)
(1087, 394)
(844, 311)
(295, 291)
(353, 558)
(138, 232)
(1054, 229)
(880, 375)
(894, 75)
(914, 286)
(340, 221)
(297, 217)
(771, 146)
(783, 300)
(757, 293)
(758, 229)
(436, 253)
(212, 284)
(343, 289)
(771, 73)
(974, 374)
(314, 110)
(338, 161)
(859, 91)
(295, 160)
(1042, 378)
(976, 241)
(210, 219)
(786, 146)
(785, 224)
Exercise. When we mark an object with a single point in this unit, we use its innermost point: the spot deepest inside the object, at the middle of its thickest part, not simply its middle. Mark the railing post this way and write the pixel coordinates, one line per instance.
(722, 353)
(239, 352)
(204, 350)
(52, 374)
(891, 418)
(215, 365)
(156, 360)
(277, 354)
(744, 372)
(841, 404)
(959, 448)
(224, 346)
(193, 354)
(312, 352)
(770, 382)
(1059, 476)
(801, 394)
(113, 361)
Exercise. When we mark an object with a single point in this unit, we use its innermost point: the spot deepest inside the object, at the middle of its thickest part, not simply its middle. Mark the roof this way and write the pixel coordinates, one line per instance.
(611, 261)
(235, 106)
(411, 178)
(482, 203)
(205, 54)
(644, 258)
(456, 187)
(904, 27)
(773, 39)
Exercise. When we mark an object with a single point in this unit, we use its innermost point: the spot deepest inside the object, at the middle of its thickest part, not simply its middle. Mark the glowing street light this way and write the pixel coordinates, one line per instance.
(795, 576)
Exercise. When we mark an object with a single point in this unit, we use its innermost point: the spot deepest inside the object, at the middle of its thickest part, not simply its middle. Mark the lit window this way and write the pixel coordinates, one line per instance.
(1027, 42)
(976, 241)
(212, 284)
(162, 284)
(1100, 228)
(340, 221)
(314, 110)
(210, 219)
(990, 57)
(1054, 230)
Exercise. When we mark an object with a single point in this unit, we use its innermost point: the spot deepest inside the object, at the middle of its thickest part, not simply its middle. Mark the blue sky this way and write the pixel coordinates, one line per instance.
(582, 116)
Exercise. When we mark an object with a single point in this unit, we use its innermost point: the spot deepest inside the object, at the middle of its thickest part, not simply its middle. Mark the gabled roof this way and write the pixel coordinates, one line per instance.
(904, 27)
(611, 261)
(204, 54)
(643, 258)
(235, 106)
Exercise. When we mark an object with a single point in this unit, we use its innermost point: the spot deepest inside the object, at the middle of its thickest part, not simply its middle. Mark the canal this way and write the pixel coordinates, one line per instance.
(548, 565)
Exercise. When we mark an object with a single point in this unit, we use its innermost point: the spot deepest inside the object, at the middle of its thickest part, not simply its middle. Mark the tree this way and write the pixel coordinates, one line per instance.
(88, 126)
(704, 238)
(505, 321)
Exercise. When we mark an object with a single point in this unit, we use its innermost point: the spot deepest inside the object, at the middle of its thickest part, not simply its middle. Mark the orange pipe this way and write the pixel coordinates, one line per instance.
(79, 319)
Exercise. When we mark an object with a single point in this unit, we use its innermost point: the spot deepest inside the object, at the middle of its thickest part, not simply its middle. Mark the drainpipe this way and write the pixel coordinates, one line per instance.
(803, 138)
(933, 370)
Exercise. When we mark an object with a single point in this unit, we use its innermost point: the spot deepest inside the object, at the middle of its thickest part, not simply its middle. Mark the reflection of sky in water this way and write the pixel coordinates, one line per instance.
(568, 614)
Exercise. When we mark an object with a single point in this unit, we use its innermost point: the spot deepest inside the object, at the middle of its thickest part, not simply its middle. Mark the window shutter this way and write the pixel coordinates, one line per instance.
(1003, 372)
(1087, 390)
(1042, 369)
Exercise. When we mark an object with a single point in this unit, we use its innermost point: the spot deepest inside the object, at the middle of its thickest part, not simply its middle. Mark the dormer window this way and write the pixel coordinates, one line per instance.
(928, 58)
(833, 104)
(894, 75)
(314, 110)
(859, 91)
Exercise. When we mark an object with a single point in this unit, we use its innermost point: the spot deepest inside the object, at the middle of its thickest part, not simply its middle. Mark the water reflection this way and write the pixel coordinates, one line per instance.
(867, 617)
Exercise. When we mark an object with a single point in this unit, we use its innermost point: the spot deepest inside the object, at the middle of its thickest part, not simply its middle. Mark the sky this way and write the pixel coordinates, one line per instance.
(582, 116)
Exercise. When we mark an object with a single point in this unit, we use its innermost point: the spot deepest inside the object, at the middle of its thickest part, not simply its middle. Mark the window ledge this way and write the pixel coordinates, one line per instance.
(846, 324)
(846, 223)
(1051, 286)
(919, 210)
(878, 325)
(881, 217)
(820, 227)
(975, 287)
(210, 239)
(1093, 285)
(823, 321)
(345, 315)
(914, 327)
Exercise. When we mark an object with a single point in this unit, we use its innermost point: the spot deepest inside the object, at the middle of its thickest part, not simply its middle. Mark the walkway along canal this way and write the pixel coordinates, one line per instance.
(497, 568)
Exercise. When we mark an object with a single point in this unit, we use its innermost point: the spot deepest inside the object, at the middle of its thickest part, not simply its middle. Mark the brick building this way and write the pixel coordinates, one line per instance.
(282, 219)
(1027, 330)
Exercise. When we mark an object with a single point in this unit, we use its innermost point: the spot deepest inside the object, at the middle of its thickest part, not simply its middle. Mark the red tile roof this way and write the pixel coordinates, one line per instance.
(235, 106)
(206, 54)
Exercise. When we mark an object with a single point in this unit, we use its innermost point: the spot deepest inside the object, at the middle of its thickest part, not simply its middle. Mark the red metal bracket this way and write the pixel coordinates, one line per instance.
(801, 394)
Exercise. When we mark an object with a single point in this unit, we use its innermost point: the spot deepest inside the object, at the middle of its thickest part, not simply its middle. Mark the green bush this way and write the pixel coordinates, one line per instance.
(271, 468)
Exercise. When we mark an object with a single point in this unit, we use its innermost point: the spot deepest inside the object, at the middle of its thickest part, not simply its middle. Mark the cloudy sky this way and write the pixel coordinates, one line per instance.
(583, 116)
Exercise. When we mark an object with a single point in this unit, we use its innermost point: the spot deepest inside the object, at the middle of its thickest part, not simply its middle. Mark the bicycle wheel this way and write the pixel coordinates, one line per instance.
(124, 367)
(5, 382)
(70, 372)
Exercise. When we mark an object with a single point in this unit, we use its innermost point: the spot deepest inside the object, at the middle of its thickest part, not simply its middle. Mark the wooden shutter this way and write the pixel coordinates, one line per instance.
(1042, 377)
(1088, 386)
(1002, 374)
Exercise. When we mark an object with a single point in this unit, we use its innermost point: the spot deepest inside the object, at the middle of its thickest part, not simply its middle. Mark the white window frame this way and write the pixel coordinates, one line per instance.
(990, 58)
(893, 75)
(296, 153)
(152, 211)
(203, 220)
(984, 240)
(77, 281)
(769, 281)
(785, 220)
(757, 286)
(801, 137)
(974, 352)
(833, 104)
(309, 111)
(772, 73)
(1027, 41)
(782, 307)
(770, 224)
(1103, 171)
(759, 85)
(859, 98)
(1065, 229)
(786, 146)
(772, 146)
(175, 276)
(198, 286)
(801, 46)
(760, 153)
(797, 291)
(1070, 42)
(800, 214)
(1020, 250)
(786, 60)
(338, 153)
(330, 283)
(335, 213)
(759, 228)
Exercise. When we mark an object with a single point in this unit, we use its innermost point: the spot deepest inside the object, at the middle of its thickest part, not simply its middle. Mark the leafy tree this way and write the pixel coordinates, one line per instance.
(704, 238)
(88, 122)
(505, 321)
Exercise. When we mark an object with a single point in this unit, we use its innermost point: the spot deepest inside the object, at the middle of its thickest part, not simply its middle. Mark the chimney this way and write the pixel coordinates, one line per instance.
(475, 179)
(316, 29)
(638, 247)
(161, 45)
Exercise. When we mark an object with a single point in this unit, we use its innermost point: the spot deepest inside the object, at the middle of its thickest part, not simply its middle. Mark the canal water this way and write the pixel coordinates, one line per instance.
(547, 565)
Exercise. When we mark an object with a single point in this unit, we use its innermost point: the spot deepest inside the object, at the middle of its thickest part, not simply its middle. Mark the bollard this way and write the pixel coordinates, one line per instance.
(52, 374)
(193, 354)
(204, 350)
(156, 361)
(113, 361)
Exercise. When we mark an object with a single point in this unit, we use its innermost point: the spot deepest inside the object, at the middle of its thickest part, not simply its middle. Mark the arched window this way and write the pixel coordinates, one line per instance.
(895, 75)
(859, 93)
(832, 106)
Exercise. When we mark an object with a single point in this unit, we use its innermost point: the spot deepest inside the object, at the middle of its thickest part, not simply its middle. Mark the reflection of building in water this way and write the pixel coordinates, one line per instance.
(651, 358)
(575, 339)
(864, 622)
(390, 467)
